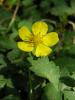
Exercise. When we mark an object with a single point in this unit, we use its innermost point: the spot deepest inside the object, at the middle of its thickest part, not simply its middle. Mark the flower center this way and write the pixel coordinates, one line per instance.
(36, 39)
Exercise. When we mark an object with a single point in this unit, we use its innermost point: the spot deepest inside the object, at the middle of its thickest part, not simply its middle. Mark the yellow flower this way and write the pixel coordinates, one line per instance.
(37, 41)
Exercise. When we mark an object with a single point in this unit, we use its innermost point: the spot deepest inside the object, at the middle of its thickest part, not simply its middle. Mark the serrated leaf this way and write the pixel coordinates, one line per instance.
(46, 69)
(50, 93)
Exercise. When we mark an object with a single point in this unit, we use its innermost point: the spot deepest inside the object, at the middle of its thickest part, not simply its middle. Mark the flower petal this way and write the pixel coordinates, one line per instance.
(42, 50)
(24, 33)
(39, 27)
(51, 39)
(25, 46)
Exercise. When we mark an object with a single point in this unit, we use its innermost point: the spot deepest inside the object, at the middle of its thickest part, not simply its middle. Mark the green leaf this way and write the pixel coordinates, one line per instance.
(46, 69)
(73, 75)
(70, 49)
(26, 23)
(50, 28)
(2, 81)
(50, 93)
(2, 62)
(9, 83)
(14, 55)
(11, 97)
(69, 45)
(7, 43)
(14, 34)
(66, 62)
(45, 4)
(69, 95)
(61, 8)
(69, 37)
